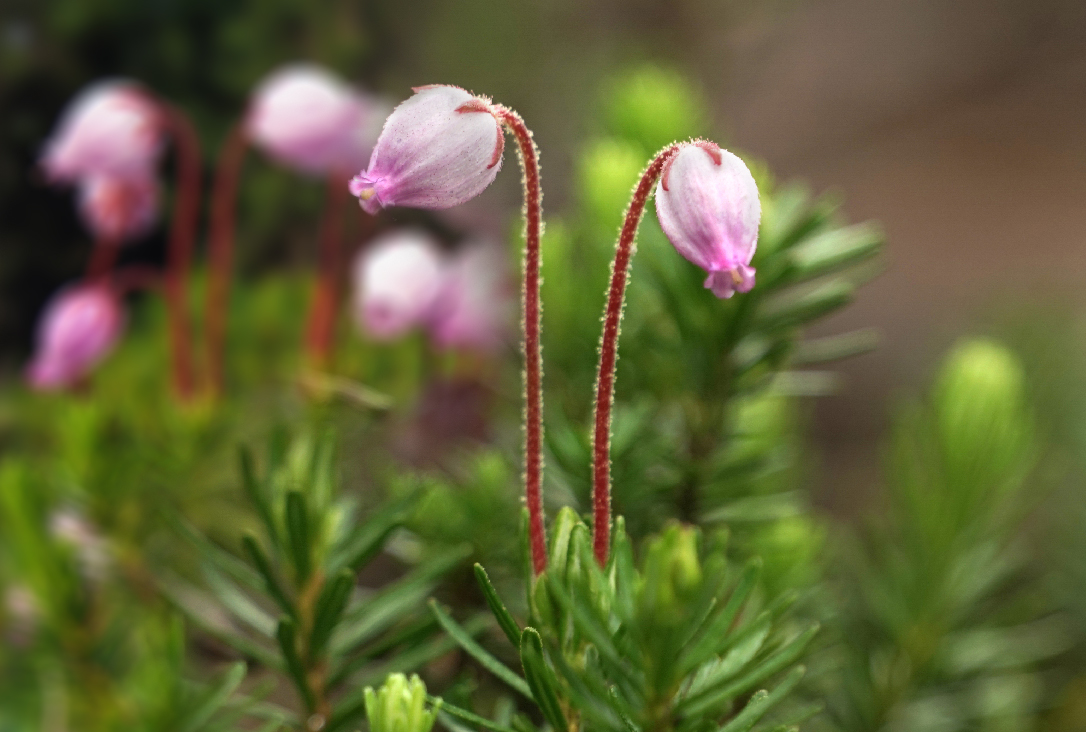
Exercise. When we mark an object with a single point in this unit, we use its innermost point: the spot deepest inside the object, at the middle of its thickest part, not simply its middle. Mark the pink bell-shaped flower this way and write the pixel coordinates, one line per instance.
(308, 119)
(397, 282)
(119, 208)
(708, 205)
(80, 327)
(112, 128)
(440, 148)
(476, 300)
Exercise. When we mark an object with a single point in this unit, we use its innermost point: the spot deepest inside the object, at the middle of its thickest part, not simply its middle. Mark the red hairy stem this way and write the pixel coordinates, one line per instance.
(533, 356)
(102, 259)
(321, 323)
(221, 253)
(605, 377)
(182, 235)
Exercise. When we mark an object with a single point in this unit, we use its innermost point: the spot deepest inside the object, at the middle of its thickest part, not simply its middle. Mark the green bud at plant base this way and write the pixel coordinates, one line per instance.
(399, 706)
(653, 107)
(980, 411)
(672, 572)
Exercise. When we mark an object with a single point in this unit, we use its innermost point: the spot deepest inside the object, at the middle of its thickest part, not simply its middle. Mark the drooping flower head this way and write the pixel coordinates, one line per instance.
(476, 301)
(708, 205)
(79, 328)
(308, 119)
(397, 281)
(112, 128)
(119, 208)
(440, 148)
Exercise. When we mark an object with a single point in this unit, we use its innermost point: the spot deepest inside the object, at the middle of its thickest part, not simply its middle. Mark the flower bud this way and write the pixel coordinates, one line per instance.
(399, 706)
(112, 128)
(397, 281)
(438, 149)
(707, 203)
(81, 325)
(119, 208)
(308, 119)
(671, 575)
(474, 306)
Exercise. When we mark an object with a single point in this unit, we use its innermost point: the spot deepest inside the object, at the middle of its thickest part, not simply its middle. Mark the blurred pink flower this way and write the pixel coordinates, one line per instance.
(79, 328)
(440, 148)
(397, 282)
(475, 305)
(708, 205)
(111, 128)
(308, 119)
(119, 208)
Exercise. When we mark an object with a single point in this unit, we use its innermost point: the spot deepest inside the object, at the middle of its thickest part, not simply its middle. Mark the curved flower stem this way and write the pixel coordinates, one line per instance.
(102, 259)
(321, 323)
(221, 253)
(182, 235)
(533, 356)
(605, 377)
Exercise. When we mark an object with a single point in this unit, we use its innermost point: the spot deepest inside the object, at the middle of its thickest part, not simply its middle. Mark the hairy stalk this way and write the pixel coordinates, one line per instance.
(321, 322)
(221, 253)
(182, 235)
(533, 356)
(605, 378)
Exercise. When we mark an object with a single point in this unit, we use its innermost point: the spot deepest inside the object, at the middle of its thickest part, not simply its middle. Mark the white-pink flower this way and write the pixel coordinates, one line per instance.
(308, 119)
(119, 208)
(708, 205)
(441, 147)
(111, 128)
(80, 327)
(397, 282)
(475, 305)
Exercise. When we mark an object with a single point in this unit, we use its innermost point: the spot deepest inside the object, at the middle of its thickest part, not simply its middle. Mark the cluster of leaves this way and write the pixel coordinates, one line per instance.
(944, 620)
(294, 606)
(680, 642)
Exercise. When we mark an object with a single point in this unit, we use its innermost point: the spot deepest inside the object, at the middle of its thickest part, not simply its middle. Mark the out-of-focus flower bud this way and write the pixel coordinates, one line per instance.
(119, 208)
(112, 128)
(440, 148)
(980, 408)
(308, 119)
(672, 574)
(399, 706)
(397, 281)
(708, 206)
(21, 615)
(474, 307)
(653, 106)
(72, 528)
(79, 328)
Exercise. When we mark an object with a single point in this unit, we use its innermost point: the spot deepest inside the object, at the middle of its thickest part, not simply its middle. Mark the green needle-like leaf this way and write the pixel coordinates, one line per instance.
(329, 609)
(287, 637)
(255, 491)
(271, 584)
(467, 716)
(480, 654)
(508, 625)
(297, 519)
(541, 679)
(762, 702)
(199, 717)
